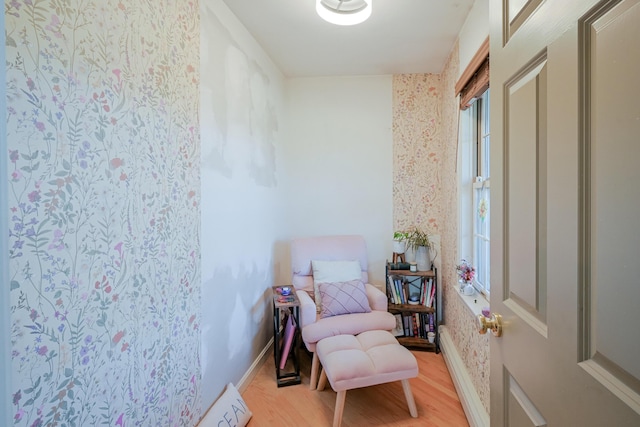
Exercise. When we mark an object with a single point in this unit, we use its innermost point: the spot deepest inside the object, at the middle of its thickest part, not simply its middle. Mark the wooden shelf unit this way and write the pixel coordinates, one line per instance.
(408, 281)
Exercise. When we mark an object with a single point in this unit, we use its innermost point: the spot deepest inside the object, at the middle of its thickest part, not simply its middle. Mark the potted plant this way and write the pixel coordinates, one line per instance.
(418, 241)
(399, 241)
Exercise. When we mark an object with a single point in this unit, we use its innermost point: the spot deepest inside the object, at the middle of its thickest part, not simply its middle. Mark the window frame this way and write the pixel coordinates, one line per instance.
(472, 90)
(481, 181)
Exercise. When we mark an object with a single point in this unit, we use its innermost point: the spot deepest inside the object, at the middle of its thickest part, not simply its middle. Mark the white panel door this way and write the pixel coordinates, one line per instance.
(565, 242)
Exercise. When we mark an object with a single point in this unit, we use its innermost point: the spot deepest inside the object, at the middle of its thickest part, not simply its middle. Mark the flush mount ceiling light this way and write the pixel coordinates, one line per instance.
(344, 12)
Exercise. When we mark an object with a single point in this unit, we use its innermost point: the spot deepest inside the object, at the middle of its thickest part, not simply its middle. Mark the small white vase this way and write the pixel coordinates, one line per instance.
(469, 290)
(422, 258)
(399, 247)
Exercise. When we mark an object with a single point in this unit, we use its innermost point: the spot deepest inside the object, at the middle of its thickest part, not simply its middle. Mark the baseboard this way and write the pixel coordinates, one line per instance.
(242, 384)
(255, 366)
(244, 381)
(471, 403)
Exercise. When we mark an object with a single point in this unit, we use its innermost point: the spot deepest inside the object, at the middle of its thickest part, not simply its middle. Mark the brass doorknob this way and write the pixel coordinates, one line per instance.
(494, 323)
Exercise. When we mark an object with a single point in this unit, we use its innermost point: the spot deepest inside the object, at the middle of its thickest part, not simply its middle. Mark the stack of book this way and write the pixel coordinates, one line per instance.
(397, 292)
(418, 324)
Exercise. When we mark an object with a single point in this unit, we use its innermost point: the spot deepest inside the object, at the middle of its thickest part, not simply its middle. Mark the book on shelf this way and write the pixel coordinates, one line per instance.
(394, 290)
(425, 324)
(392, 295)
(398, 288)
(432, 294)
(428, 294)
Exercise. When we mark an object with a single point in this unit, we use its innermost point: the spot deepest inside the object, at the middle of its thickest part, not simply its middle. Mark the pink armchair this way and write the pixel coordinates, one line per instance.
(314, 328)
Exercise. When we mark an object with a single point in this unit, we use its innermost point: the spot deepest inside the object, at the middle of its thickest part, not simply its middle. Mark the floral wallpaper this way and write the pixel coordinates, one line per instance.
(103, 141)
(417, 149)
(425, 131)
(461, 322)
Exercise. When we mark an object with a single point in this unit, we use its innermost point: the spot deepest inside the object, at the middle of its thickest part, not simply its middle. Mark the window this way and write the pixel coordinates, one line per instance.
(474, 183)
(481, 195)
(474, 187)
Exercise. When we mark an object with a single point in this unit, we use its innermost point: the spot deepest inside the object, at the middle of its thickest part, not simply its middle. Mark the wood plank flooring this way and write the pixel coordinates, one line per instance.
(381, 405)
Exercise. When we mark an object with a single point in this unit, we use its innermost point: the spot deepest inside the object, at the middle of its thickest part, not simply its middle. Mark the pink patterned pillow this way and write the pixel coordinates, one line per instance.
(343, 298)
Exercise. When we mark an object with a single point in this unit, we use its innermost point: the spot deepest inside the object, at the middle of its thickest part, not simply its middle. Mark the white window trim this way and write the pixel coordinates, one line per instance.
(468, 182)
(465, 190)
(483, 180)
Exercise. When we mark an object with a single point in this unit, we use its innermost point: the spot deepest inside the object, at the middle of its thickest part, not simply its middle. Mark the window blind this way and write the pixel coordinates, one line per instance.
(475, 78)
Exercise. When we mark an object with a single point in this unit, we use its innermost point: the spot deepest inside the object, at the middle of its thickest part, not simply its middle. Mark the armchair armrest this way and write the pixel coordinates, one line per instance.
(377, 298)
(308, 313)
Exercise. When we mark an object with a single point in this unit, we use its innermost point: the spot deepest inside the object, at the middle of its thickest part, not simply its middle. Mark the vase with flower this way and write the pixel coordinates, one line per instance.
(466, 273)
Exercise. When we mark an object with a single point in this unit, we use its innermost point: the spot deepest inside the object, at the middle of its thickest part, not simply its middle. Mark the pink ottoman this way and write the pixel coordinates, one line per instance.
(371, 358)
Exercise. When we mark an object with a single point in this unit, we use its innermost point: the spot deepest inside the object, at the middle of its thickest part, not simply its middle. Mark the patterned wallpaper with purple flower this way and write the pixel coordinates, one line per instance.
(103, 140)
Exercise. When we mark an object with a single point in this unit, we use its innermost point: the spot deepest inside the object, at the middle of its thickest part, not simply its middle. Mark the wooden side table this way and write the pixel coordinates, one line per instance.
(291, 305)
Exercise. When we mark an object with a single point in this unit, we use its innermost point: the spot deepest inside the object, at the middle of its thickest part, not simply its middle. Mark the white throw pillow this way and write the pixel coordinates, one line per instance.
(332, 272)
(229, 410)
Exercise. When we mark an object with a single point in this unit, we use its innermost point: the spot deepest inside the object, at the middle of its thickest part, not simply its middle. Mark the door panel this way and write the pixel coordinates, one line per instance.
(565, 212)
(612, 205)
(520, 409)
(525, 123)
(517, 12)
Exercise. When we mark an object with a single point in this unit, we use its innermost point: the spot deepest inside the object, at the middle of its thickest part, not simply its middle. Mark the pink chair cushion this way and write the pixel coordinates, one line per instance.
(350, 324)
(371, 358)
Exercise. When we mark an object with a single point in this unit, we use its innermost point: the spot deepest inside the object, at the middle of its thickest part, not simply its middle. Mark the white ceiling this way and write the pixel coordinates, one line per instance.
(400, 37)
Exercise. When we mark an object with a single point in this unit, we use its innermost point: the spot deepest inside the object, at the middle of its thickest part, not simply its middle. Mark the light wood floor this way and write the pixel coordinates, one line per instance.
(381, 405)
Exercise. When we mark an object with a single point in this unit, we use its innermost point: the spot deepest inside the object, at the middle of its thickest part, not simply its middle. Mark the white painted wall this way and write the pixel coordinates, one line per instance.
(329, 174)
(242, 209)
(339, 162)
(474, 31)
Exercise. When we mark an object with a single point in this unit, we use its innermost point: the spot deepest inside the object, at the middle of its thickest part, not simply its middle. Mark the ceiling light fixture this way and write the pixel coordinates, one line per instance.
(344, 12)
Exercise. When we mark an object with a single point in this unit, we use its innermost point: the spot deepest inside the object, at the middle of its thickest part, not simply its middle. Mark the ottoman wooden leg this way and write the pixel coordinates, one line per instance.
(409, 396)
(315, 364)
(323, 380)
(337, 413)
